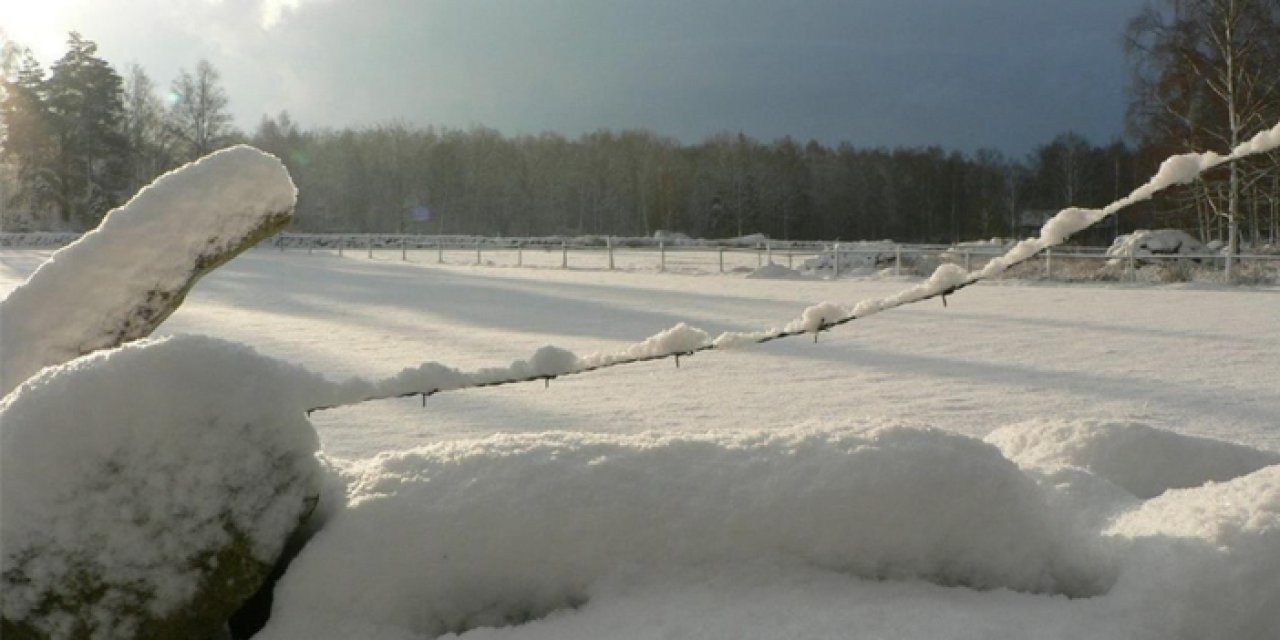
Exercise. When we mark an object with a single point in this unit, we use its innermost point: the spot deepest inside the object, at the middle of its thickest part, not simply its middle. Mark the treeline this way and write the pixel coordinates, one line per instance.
(81, 139)
(478, 181)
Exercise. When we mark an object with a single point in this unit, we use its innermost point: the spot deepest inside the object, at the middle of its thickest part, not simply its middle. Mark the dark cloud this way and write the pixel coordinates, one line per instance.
(956, 73)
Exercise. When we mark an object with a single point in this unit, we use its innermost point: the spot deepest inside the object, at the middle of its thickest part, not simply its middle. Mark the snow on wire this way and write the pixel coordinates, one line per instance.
(551, 362)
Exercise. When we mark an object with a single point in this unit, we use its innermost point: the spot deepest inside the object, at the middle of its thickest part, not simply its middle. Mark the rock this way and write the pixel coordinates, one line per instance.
(148, 491)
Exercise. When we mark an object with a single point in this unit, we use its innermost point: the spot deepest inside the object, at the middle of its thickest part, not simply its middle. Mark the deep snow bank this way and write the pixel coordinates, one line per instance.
(461, 535)
(1138, 458)
(124, 473)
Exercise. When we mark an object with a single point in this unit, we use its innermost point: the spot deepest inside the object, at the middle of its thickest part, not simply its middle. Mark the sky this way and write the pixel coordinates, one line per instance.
(961, 74)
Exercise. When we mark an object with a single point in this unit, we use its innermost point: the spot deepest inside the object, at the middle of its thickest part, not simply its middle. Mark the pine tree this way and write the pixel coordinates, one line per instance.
(86, 114)
(27, 147)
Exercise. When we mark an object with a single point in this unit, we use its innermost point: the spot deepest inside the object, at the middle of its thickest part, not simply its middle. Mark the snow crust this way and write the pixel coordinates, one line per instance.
(131, 464)
(467, 534)
(141, 255)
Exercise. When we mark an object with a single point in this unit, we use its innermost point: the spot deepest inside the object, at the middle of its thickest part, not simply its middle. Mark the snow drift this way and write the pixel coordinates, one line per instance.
(1142, 460)
(461, 535)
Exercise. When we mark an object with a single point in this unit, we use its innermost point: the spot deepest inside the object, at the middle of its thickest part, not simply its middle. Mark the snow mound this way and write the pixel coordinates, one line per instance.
(499, 531)
(1144, 244)
(130, 467)
(1206, 561)
(774, 271)
(1142, 460)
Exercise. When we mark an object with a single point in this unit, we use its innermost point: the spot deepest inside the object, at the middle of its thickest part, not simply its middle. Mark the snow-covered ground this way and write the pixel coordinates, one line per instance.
(790, 489)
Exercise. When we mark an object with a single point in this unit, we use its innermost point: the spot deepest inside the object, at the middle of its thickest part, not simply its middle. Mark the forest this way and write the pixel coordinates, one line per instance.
(81, 139)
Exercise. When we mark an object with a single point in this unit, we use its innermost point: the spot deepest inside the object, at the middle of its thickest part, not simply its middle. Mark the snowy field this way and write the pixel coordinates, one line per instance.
(790, 489)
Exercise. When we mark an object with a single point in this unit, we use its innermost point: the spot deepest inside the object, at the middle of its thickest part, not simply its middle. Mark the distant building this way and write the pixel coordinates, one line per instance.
(1031, 220)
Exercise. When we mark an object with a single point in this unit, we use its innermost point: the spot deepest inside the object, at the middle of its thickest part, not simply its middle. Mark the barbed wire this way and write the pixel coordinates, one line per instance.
(1206, 161)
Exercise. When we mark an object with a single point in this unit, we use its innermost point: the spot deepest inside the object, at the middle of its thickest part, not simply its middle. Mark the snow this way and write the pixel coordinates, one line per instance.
(1095, 366)
(776, 271)
(87, 295)
(129, 465)
(1144, 243)
(633, 501)
(1144, 461)
(462, 535)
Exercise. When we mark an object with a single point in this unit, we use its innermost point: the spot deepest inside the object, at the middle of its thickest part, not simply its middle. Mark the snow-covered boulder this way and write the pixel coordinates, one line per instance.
(147, 491)
(120, 281)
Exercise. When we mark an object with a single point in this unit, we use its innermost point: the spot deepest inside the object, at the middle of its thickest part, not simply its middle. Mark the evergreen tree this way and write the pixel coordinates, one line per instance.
(86, 113)
(27, 147)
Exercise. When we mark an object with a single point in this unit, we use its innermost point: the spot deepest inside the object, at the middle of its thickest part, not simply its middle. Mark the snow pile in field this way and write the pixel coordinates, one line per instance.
(1140, 459)
(460, 535)
(128, 466)
(132, 271)
(1144, 244)
(775, 271)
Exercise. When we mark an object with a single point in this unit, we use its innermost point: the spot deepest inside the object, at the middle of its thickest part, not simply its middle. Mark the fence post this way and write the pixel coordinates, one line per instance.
(519, 254)
(768, 252)
(477, 252)
(897, 260)
(662, 256)
(1048, 264)
(721, 259)
(789, 257)
(368, 242)
(968, 260)
(440, 252)
(1130, 267)
(608, 242)
(404, 253)
(835, 262)
(564, 254)
(342, 241)
(759, 256)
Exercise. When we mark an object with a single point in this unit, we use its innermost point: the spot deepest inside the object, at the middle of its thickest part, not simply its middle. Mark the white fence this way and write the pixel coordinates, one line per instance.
(815, 259)
(820, 259)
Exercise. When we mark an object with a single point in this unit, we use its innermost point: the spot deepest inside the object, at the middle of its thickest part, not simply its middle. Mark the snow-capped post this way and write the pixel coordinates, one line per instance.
(564, 254)
(118, 282)
(662, 256)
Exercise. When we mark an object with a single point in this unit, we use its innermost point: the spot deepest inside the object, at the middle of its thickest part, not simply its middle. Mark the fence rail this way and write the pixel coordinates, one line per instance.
(810, 258)
(817, 259)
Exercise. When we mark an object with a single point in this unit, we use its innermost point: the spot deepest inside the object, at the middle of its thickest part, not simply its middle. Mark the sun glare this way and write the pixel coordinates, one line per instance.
(36, 24)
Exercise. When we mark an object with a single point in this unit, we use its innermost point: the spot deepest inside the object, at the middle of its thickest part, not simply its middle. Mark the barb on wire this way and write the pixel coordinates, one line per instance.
(682, 340)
